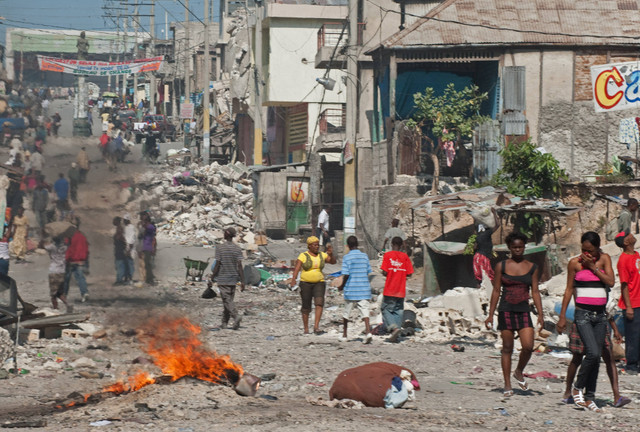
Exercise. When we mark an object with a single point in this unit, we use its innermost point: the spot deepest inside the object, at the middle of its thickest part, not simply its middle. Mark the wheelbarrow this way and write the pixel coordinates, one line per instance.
(195, 269)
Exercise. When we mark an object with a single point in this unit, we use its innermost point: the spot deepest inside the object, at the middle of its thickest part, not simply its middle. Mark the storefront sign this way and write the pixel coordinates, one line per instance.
(99, 68)
(616, 86)
(186, 110)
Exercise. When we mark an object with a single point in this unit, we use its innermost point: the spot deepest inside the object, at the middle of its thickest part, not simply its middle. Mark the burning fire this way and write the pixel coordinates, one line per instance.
(176, 349)
(133, 383)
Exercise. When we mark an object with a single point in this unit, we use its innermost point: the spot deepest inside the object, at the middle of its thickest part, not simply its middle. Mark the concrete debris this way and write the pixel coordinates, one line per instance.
(6, 345)
(83, 362)
(195, 206)
(468, 301)
(336, 403)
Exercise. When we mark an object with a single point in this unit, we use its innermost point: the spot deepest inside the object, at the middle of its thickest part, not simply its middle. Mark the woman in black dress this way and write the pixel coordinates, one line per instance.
(516, 280)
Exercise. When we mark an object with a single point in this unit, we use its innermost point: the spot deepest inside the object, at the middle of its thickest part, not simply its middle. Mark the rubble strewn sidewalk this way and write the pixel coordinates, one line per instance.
(195, 206)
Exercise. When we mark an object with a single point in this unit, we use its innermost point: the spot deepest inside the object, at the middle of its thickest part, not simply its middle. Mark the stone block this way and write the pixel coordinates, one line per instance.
(28, 335)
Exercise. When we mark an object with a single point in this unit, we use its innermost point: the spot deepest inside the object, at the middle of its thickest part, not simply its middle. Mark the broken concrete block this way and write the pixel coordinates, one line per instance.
(99, 334)
(83, 362)
(28, 335)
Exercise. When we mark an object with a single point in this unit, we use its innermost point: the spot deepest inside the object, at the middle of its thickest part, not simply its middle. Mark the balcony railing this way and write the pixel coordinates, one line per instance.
(333, 120)
(329, 35)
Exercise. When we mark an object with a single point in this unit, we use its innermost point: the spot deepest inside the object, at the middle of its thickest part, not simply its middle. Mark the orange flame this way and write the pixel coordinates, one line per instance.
(178, 352)
(133, 383)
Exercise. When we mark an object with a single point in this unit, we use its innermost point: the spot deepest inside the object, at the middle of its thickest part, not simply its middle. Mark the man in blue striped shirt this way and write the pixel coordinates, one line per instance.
(357, 290)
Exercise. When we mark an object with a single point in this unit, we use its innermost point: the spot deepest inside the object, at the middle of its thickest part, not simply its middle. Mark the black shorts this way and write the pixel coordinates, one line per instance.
(310, 291)
(513, 320)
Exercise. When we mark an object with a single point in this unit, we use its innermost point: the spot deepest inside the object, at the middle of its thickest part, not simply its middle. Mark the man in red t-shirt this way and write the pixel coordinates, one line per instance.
(396, 266)
(77, 258)
(629, 273)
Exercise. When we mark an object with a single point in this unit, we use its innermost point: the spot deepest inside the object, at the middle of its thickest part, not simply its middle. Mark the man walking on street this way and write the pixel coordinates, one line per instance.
(83, 163)
(392, 232)
(148, 233)
(130, 240)
(630, 299)
(627, 216)
(357, 290)
(227, 273)
(39, 204)
(120, 251)
(323, 226)
(77, 257)
(74, 180)
(396, 266)
(61, 188)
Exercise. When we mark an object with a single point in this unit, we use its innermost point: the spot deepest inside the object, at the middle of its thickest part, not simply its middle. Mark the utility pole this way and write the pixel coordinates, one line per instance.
(152, 81)
(21, 59)
(257, 118)
(135, 54)
(350, 193)
(187, 62)
(124, 57)
(205, 88)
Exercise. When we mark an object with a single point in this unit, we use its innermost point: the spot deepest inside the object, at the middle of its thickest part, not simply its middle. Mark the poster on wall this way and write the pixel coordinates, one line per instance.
(297, 191)
(616, 86)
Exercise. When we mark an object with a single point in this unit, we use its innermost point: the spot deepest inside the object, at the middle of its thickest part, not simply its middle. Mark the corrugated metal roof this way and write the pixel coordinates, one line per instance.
(518, 22)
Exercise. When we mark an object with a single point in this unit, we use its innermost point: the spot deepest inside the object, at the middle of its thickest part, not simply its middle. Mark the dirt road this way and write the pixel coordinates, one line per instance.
(460, 390)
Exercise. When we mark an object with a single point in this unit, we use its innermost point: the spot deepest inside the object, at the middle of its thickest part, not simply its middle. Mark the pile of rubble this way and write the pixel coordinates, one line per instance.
(196, 205)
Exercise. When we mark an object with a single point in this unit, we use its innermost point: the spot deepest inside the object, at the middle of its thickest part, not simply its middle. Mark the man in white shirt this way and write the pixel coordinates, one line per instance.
(323, 226)
(130, 236)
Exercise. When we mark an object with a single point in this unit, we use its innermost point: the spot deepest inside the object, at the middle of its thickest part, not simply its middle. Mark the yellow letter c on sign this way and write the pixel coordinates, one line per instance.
(604, 99)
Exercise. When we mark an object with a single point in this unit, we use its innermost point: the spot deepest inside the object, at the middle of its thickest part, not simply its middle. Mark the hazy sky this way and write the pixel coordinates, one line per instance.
(88, 14)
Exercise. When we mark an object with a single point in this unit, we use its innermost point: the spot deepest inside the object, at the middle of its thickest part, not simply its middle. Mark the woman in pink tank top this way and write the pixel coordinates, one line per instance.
(589, 278)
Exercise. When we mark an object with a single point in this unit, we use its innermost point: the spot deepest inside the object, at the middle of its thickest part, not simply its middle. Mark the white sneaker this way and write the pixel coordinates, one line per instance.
(85, 298)
(368, 338)
(342, 339)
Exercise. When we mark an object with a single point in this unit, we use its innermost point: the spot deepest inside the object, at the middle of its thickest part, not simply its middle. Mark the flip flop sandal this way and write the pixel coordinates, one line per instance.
(569, 400)
(578, 399)
(622, 401)
(507, 393)
(593, 407)
(523, 384)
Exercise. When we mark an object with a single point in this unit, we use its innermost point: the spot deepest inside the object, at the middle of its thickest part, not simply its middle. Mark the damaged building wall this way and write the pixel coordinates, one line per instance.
(377, 208)
(271, 209)
(559, 108)
(237, 56)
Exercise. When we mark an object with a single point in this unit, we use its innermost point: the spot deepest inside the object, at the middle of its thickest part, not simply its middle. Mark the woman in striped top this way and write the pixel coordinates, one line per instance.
(589, 278)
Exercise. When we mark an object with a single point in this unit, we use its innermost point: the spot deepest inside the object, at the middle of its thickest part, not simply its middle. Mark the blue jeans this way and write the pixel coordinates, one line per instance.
(632, 340)
(4, 266)
(130, 267)
(76, 270)
(592, 327)
(121, 270)
(392, 309)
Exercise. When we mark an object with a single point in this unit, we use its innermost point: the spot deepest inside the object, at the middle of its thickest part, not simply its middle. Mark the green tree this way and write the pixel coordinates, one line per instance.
(528, 173)
(447, 118)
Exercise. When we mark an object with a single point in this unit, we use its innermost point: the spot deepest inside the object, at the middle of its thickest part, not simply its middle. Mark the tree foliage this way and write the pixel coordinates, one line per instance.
(449, 117)
(529, 173)
(441, 119)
